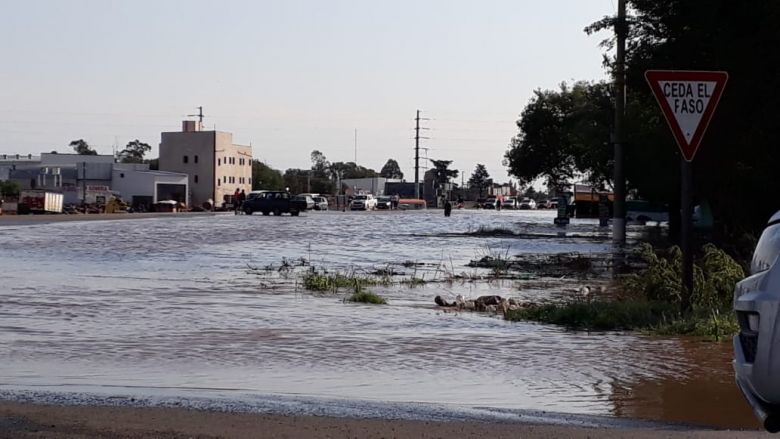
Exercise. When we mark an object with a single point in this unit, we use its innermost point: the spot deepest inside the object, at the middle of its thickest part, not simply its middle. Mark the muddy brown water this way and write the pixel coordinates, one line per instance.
(169, 303)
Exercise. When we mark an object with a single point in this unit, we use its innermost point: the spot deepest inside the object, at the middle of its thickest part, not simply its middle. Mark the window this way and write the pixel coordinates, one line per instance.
(196, 177)
(224, 179)
(121, 175)
(219, 183)
(219, 162)
(196, 158)
(185, 159)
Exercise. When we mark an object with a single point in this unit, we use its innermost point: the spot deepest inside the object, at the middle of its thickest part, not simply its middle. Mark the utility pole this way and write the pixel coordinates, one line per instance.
(417, 154)
(619, 207)
(356, 146)
(200, 118)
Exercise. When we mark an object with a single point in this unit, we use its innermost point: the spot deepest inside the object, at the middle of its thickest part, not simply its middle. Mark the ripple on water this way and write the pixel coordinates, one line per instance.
(169, 303)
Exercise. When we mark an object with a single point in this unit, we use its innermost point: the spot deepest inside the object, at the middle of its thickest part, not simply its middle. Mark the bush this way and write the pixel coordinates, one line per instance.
(715, 274)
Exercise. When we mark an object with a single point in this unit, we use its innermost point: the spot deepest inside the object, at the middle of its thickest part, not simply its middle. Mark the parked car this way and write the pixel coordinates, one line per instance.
(489, 203)
(510, 203)
(757, 346)
(275, 202)
(384, 203)
(307, 199)
(320, 203)
(363, 202)
(527, 203)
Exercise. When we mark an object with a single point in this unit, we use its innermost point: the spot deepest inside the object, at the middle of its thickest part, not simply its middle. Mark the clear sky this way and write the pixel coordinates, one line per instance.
(290, 76)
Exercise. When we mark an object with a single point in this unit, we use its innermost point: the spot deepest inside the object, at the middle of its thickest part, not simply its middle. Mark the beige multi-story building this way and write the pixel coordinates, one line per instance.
(215, 165)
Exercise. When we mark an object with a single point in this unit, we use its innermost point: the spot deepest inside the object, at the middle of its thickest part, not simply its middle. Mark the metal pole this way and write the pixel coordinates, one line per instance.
(686, 232)
(417, 157)
(619, 207)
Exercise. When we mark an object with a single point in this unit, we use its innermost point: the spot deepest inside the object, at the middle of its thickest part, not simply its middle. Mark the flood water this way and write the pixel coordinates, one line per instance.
(200, 303)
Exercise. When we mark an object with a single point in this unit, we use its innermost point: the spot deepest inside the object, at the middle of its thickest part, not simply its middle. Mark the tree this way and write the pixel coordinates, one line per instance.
(442, 171)
(480, 179)
(265, 177)
(134, 152)
(351, 170)
(9, 188)
(736, 162)
(82, 147)
(564, 134)
(391, 170)
(320, 165)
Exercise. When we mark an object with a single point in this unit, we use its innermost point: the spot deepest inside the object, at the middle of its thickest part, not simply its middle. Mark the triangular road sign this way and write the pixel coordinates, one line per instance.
(688, 100)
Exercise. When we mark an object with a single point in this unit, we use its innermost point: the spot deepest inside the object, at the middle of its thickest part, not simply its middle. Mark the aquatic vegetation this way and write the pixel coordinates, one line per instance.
(603, 315)
(322, 281)
(651, 299)
(362, 296)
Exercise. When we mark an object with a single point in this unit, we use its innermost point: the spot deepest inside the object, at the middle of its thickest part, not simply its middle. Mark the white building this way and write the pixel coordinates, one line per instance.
(139, 186)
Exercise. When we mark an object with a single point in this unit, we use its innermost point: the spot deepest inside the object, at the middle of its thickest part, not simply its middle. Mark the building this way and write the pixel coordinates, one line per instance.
(142, 188)
(215, 166)
(74, 175)
(369, 185)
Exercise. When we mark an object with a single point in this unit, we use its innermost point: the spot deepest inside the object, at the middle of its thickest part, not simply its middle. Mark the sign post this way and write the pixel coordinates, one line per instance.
(688, 100)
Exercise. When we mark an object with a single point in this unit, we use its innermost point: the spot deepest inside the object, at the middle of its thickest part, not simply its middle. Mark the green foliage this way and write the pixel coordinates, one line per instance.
(604, 315)
(562, 134)
(715, 275)
(265, 177)
(320, 165)
(351, 170)
(367, 297)
(82, 147)
(391, 170)
(735, 164)
(10, 188)
(304, 180)
(480, 179)
(442, 172)
(334, 281)
(134, 152)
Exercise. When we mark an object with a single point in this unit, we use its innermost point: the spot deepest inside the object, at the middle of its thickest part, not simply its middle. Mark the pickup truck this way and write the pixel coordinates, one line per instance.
(276, 203)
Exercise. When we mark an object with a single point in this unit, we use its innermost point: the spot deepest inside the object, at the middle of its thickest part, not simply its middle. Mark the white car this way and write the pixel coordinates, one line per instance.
(757, 346)
(363, 202)
(527, 203)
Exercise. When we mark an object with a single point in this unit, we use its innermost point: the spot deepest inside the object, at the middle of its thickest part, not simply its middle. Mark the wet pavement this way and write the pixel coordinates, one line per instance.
(182, 304)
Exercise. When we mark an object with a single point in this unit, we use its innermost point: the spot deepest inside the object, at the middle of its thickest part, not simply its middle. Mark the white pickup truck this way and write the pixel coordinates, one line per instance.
(363, 202)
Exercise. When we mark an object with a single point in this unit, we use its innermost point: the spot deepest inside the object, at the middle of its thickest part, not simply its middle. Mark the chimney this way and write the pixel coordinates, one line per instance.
(189, 126)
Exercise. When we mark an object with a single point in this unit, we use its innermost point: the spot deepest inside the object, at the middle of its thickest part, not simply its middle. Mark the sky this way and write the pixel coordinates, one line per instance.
(290, 76)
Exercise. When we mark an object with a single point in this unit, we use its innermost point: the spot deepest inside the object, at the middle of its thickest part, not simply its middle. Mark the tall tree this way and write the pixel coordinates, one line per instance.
(443, 173)
(351, 170)
(564, 134)
(391, 170)
(736, 161)
(265, 177)
(134, 152)
(480, 179)
(320, 164)
(82, 147)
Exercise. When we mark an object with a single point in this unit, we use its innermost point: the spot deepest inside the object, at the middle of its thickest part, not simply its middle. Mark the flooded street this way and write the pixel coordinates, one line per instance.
(201, 303)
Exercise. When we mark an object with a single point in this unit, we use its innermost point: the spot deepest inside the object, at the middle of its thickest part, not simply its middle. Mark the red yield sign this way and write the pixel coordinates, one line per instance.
(688, 100)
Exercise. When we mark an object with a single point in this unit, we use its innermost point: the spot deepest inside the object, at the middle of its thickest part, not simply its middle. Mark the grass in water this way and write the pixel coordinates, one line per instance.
(363, 296)
(333, 281)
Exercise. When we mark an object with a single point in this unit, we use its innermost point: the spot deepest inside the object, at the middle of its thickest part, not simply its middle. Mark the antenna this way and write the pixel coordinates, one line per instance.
(200, 117)
(356, 146)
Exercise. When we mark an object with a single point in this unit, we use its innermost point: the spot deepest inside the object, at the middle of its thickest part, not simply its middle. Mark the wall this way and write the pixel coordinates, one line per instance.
(175, 146)
(233, 167)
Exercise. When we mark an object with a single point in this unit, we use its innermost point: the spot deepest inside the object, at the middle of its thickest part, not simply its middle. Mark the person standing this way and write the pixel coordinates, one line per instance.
(447, 208)
(241, 199)
(236, 196)
(498, 204)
